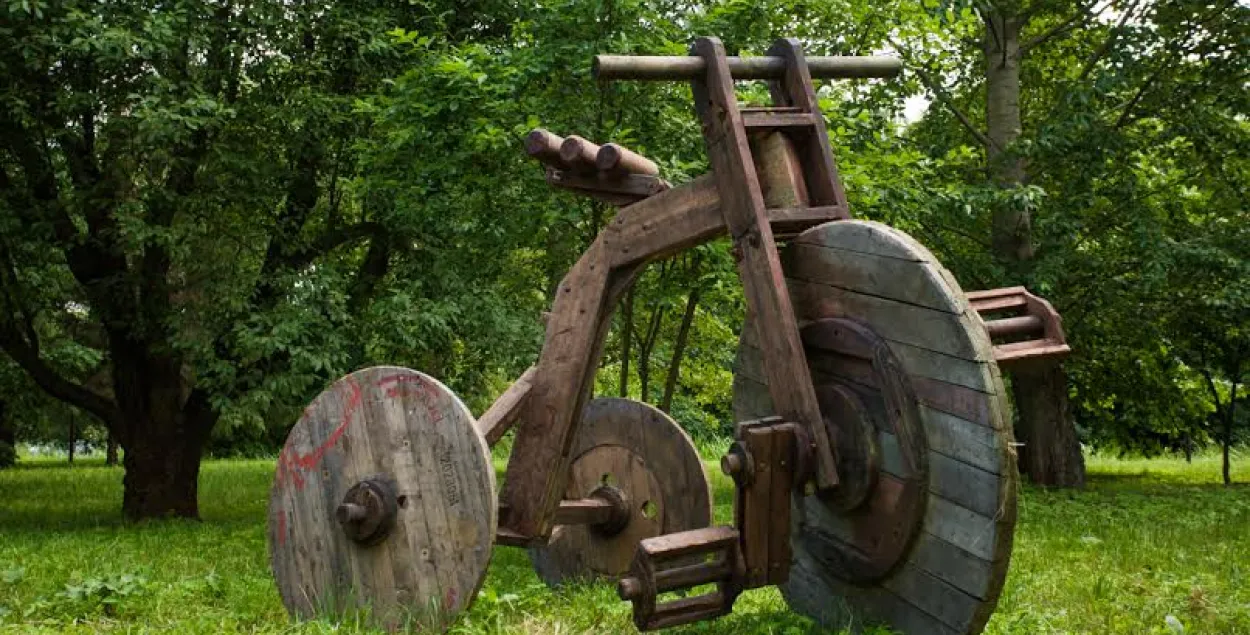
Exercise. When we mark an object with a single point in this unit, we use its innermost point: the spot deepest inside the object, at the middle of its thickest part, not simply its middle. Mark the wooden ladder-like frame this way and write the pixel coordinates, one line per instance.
(546, 400)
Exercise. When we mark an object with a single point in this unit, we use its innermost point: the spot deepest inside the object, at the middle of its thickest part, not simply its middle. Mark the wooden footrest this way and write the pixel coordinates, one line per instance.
(683, 561)
(1023, 327)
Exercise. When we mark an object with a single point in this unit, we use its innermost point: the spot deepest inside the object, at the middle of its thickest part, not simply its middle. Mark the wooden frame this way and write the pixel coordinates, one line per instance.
(547, 399)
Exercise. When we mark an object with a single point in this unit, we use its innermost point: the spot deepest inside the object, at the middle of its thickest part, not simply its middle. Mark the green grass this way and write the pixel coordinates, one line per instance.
(1146, 539)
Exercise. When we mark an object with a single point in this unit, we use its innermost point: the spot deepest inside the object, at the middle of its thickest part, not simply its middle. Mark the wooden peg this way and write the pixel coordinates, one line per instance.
(579, 154)
(545, 147)
(618, 159)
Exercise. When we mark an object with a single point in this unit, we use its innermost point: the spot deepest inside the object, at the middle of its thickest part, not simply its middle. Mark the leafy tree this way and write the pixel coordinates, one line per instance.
(189, 176)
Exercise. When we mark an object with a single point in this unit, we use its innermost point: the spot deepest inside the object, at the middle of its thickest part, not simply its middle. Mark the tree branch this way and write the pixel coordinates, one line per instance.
(1082, 15)
(53, 383)
(1111, 38)
(944, 98)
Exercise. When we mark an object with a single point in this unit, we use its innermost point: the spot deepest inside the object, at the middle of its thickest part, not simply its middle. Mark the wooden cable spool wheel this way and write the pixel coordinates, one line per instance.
(637, 454)
(383, 503)
(919, 534)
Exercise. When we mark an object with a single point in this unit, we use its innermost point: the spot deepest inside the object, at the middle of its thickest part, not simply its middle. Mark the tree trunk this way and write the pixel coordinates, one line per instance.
(679, 350)
(645, 348)
(110, 454)
(1051, 454)
(1228, 432)
(1012, 237)
(627, 333)
(165, 428)
(8, 438)
(73, 435)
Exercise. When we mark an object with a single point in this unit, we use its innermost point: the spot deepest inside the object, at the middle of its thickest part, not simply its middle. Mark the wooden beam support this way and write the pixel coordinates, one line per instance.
(759, 266)
(498, 419)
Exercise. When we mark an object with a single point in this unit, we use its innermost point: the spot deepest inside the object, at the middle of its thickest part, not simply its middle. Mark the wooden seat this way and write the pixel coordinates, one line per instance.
(1023, 327)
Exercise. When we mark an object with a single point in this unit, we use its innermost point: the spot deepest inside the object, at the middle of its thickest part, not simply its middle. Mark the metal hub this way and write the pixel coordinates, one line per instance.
(367, 513)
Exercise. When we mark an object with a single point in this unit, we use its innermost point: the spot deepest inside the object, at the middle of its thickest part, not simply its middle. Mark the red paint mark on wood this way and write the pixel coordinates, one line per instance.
(449, 599)
(401, 383)
(405, 385)
(293, 464)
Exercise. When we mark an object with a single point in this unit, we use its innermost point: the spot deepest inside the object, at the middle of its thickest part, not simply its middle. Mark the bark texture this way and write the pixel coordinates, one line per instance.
(1051, 454)
(679, 350)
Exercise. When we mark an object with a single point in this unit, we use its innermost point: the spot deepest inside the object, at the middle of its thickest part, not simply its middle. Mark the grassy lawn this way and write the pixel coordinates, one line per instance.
(1146, 540)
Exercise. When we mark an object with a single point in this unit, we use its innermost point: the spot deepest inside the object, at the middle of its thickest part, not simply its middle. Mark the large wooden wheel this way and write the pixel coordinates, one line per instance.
(640, 453)
(383, 502)
(920, 536)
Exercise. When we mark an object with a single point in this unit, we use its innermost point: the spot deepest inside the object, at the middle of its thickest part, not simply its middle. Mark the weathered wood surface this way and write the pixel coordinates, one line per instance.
(794, 88)
(759, 266)
(618, 159)
(502, 414)
(397, 423)
(955, 569)
(688, 215)
(638, 449)
(780, 174)
(537, 468)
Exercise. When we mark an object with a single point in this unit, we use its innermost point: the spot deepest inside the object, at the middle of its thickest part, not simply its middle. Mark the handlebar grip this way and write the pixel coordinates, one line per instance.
(687, 67)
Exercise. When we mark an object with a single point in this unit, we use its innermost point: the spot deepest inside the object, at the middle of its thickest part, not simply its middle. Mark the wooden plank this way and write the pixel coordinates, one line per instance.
(666, 223)
(1003, 292)
(837, 604)
(538, 466)
(871, 238)
(892, 320)
(890, 278)
(774, 120)
(759, 266)
(947, 383)
(951, 564)
(788, 221)
(498, 419)
(923, 362)
(945, 602)
(812, 145)
(996, 303)
(964, 441)
(964, 484)
(962, 527)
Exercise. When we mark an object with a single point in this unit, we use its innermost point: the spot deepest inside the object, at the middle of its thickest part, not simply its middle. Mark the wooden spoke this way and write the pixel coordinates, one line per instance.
(384, 503)
(950, 573)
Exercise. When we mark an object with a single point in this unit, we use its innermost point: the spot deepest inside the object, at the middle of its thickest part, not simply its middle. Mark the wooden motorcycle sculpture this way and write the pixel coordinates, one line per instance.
(873, 465)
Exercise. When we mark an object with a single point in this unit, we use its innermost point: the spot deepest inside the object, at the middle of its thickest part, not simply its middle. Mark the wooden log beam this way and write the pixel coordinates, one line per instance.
(661, 67)
(545, 147)
(502, 414)
(579, 154)
(759, 265)
(615, 158)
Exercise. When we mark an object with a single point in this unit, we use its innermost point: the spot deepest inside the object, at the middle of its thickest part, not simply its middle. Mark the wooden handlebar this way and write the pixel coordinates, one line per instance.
(683, 67)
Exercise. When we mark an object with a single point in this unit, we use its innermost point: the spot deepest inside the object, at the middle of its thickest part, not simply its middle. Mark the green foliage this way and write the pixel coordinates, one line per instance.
(359, 197)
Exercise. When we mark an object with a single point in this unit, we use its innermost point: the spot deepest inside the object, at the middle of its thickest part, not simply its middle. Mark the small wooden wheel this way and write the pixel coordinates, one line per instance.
(640, 452)
(384, 502)
(919, 536)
